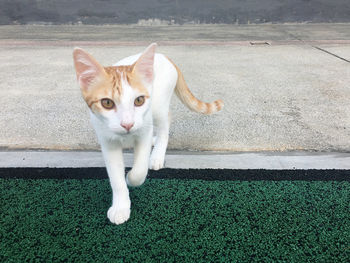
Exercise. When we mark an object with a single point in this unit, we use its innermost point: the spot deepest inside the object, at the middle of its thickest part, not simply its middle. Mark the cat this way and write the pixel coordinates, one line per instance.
(127, 101)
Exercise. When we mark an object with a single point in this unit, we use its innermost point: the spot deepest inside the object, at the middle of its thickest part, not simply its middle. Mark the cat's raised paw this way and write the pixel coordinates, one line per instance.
(118, 215)
(156, 164)
(136, 178)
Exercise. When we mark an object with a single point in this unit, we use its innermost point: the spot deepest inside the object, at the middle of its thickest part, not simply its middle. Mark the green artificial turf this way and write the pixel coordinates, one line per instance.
(172, 220)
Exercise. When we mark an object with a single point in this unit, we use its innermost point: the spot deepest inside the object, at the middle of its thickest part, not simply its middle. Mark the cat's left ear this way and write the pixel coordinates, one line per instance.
(144, 65)
(88, 70)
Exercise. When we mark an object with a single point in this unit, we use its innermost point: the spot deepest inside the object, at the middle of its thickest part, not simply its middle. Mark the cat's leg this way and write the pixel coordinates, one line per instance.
(119, 212)
(143, 144)
(162, 123)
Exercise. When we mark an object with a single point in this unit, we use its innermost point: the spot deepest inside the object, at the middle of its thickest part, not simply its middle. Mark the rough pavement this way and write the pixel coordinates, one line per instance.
(291, 93)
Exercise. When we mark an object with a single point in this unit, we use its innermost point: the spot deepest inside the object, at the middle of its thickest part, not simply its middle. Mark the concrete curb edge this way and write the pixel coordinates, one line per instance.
(186, 160)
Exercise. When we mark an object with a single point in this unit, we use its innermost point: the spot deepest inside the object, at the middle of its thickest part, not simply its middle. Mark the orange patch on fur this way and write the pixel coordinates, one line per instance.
(187, 98)
(110, 86)
(135, 82)
(131, 77)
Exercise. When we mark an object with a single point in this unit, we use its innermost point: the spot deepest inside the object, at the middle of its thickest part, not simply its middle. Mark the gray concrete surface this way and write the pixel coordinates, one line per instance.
(338, 51)
(183, 160)
(286, 96)
(134, 34)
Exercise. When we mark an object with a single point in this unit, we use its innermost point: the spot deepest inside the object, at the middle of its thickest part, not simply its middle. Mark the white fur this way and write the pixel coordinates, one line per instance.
(153, 115)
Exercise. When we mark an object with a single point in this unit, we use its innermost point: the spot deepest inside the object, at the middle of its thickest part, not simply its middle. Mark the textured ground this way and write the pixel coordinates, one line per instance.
(291, 95)
(208, 219)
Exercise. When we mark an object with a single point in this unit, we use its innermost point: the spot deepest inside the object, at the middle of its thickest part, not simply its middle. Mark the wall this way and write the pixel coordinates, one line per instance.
(173, 11)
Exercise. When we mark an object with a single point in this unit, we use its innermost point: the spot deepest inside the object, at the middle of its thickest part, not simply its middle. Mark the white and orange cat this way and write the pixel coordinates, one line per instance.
(127, 102)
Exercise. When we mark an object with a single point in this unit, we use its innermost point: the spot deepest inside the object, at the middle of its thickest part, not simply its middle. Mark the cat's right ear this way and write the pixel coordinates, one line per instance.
(88, 70)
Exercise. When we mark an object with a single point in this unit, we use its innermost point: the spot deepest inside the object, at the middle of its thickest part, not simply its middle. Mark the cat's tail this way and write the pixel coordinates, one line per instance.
(185, 95)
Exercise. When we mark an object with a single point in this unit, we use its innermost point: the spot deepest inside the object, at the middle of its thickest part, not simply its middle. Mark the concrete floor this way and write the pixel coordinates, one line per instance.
(176, 33)
(291, 95)
(183, 160)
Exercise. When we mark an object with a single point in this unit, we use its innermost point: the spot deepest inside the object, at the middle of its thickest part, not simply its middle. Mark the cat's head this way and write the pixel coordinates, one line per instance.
(119, 96)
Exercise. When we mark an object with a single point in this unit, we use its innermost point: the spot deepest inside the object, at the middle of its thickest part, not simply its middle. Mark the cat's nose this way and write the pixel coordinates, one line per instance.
(127, 126)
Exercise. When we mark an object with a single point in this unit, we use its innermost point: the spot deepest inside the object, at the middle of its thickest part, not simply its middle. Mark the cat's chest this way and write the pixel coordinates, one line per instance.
(126, 140)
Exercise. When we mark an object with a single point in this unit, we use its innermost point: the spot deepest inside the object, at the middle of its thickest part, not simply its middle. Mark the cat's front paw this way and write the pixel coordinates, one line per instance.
(118, 215)
(136, 178)
(156, 163)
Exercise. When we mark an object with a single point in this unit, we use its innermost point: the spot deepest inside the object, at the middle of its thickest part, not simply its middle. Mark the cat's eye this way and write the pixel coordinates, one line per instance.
(107, 104)
(139, 101)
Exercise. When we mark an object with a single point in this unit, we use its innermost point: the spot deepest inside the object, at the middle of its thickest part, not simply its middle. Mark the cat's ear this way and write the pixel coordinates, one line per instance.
(88, 70)
(144, 65)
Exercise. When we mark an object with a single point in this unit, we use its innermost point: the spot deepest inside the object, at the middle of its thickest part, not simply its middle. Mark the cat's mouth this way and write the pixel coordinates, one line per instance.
(120, 131)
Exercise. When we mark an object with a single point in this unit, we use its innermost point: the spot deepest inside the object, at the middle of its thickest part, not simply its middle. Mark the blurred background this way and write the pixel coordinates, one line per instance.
(173, 11)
